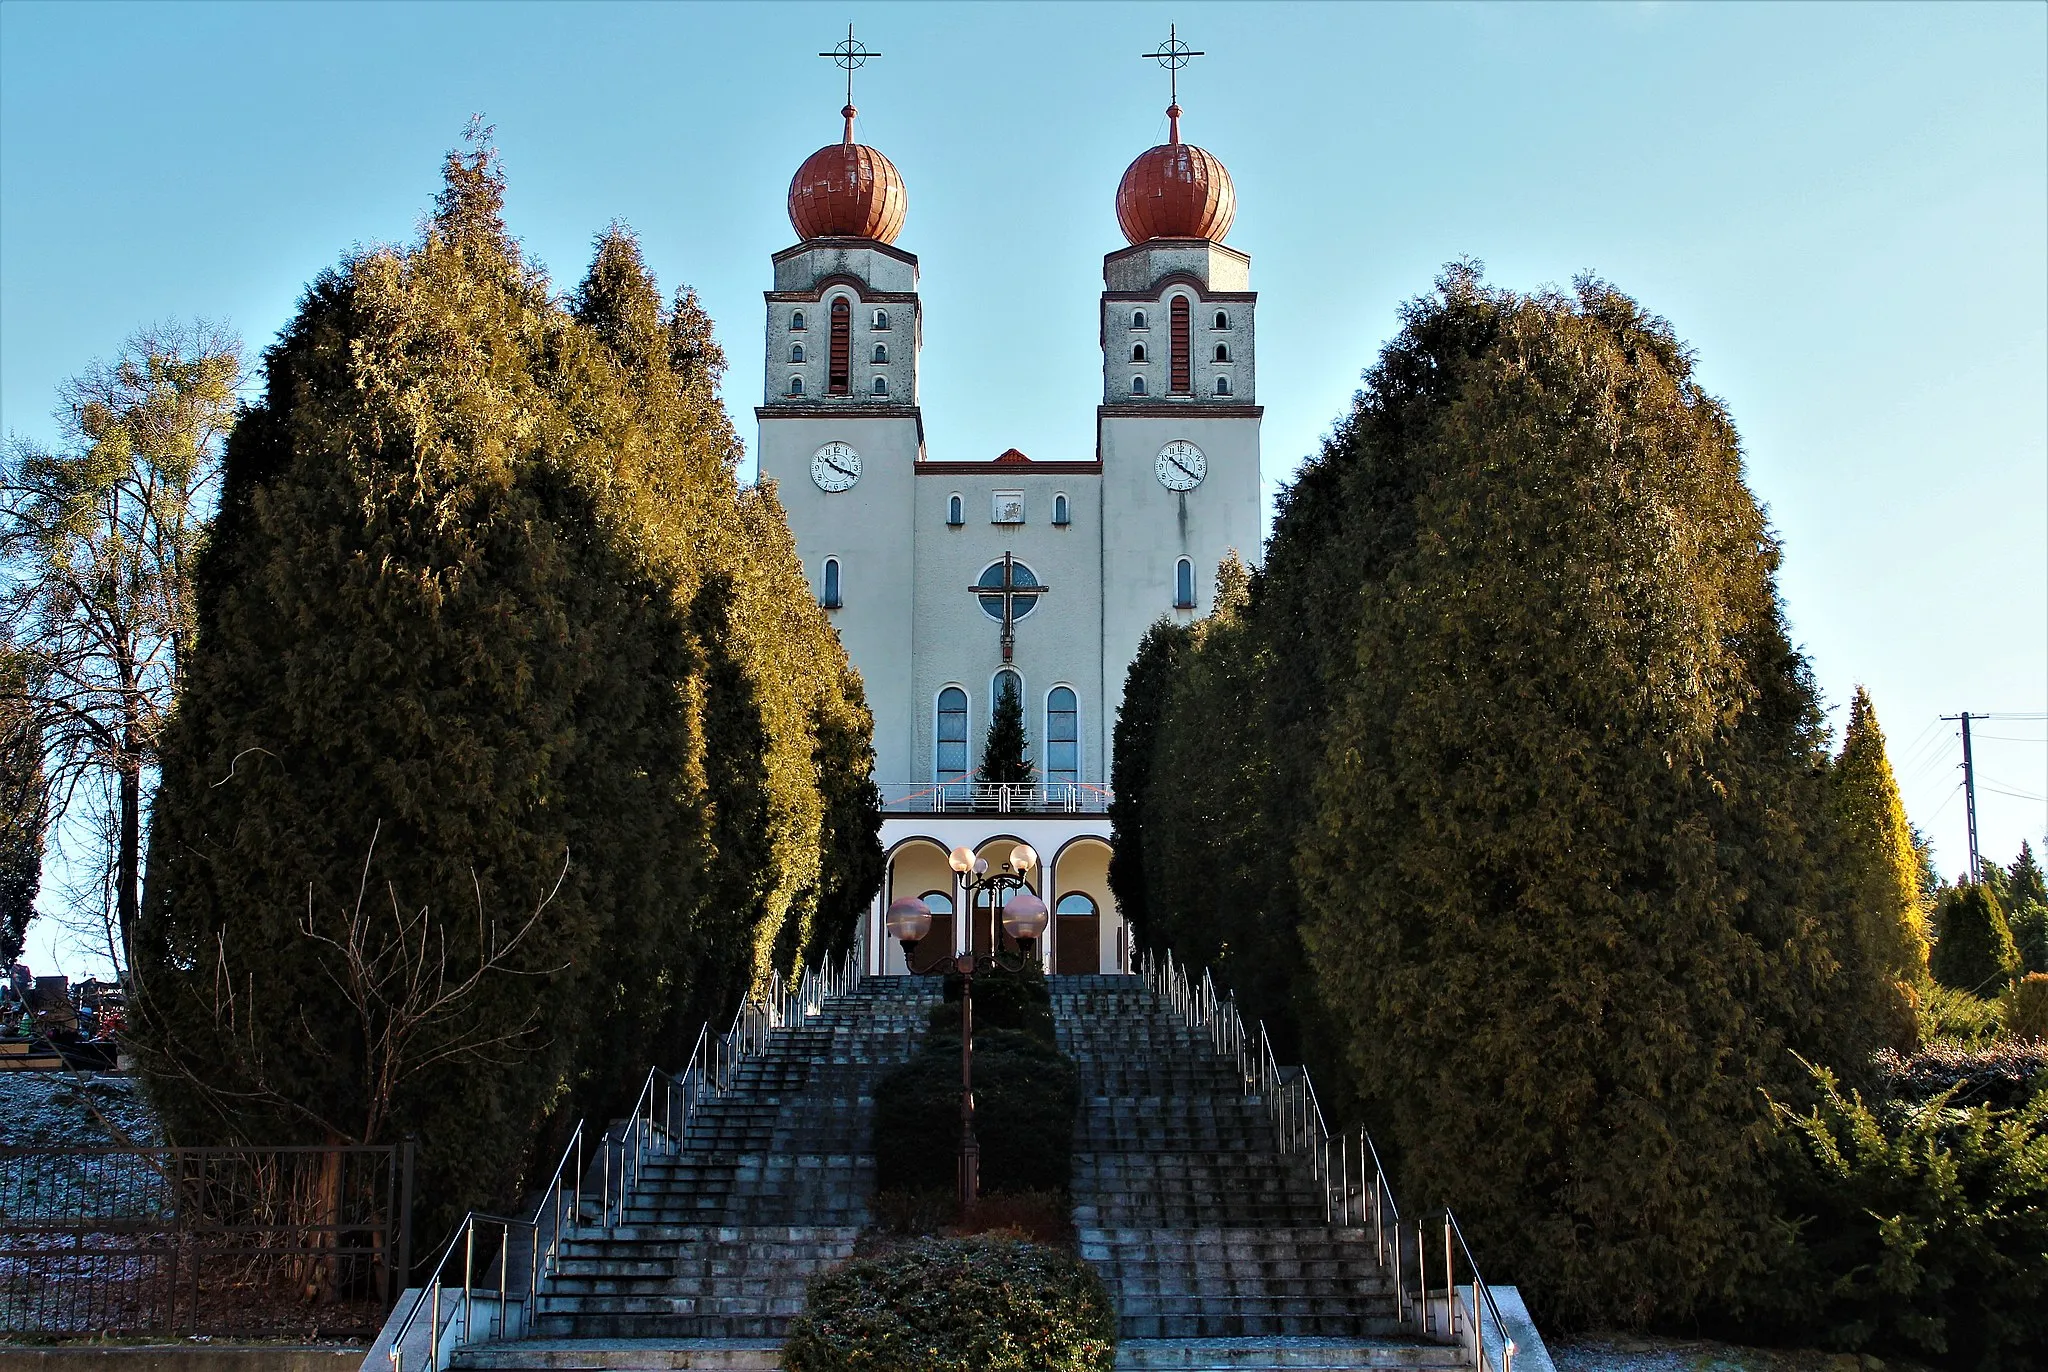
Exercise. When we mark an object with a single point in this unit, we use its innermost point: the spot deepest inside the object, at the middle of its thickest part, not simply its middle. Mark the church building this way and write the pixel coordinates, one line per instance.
(953, 578)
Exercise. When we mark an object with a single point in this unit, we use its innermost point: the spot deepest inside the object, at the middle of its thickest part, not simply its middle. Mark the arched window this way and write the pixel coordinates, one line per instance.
(1072, 903)
(951, 759)
(842, 348)
(1138, 319)
(830, 599)
(796, 321)
(1222, 320)
(796, 352)
(1005, 682)
(1060, 512)
(882, 353)
(1223, 385)
(1062, 735)
(956, 511)
(1137, 385)
(1222, 352)
(881, 385)
(881, 319)
(1179, 380)
(939, 902)
(796, 385)
(1183, 585)
(1137, 352)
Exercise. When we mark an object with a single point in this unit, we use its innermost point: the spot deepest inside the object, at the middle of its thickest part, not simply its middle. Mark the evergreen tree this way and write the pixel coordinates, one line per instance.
(495, 659)
(1973, 949)
(1564, 885)
(1003, 755)
(1886, 955)
(22, 805)
(2023, 880)
(1138, 717)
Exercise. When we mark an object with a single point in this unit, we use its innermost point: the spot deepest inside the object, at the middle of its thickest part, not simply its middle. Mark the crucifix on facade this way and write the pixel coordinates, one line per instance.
(1008, 590)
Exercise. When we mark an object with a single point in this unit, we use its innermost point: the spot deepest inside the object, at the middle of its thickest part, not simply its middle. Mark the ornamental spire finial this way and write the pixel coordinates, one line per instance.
(848, 56)
(1173, 55)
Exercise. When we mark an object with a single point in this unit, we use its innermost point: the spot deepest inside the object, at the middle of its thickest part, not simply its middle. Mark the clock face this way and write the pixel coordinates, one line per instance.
(1181, 466)
(835, 467)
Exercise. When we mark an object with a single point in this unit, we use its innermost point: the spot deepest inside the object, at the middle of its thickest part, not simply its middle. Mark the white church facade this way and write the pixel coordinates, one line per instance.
(952, 579)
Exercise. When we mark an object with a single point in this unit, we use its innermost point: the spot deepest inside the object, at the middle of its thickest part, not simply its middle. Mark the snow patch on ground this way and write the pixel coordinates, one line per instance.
(73, 1110)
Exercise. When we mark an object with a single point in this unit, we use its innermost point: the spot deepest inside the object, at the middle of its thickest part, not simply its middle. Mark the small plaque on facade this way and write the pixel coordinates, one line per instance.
(1009, 507)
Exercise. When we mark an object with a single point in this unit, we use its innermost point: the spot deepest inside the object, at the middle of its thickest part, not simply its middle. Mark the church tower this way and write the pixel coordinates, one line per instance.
(841, 433)
(1177, 432)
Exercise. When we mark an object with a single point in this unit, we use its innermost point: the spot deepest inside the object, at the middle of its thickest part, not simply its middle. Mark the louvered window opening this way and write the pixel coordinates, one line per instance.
(842, 349)
(1180, 382)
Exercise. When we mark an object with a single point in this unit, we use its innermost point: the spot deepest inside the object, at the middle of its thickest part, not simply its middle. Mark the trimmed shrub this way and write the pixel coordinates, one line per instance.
(2003, 1074)
(1018, 1001)
(956, 1305)
(2029, 924)
(1025, 1096)
(1975, 951)
(2024, 1007)
(1918, 1226)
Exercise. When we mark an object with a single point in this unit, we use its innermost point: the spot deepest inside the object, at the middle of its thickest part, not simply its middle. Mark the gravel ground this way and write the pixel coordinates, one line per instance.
(51, 1110)
(1633, 1353)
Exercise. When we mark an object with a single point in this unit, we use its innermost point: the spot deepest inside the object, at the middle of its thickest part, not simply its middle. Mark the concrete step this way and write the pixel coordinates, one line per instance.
(1274, 1354)
(625, 1355)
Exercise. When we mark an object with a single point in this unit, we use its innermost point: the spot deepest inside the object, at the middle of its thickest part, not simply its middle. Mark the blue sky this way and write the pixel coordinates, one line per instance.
(1843, 208)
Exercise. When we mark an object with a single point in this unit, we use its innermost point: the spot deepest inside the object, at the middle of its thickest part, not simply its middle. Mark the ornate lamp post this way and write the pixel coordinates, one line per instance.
(1023, 917)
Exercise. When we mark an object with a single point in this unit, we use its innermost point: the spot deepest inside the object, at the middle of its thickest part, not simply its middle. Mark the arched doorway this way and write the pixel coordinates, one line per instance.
(1077, 943)
(917, 867)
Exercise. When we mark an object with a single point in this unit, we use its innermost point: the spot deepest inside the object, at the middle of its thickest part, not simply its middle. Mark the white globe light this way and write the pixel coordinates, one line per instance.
(1024, 916)
(961, 859)
(909, 919)
(1023, 857)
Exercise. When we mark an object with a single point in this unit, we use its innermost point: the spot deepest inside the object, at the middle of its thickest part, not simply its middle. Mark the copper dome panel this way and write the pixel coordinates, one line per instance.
(1176, 190)
(847, 190)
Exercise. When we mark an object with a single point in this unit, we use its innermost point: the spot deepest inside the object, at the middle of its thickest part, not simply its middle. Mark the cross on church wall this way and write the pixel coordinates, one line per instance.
(1009, 589)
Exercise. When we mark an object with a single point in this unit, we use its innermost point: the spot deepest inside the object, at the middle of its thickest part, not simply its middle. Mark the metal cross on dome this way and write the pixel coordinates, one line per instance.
(849, 56)
(1173, 55)
(1008, 590)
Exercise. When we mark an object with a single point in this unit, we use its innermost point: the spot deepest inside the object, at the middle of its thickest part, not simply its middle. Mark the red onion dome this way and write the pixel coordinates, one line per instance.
(1175, 190)
(845, 190)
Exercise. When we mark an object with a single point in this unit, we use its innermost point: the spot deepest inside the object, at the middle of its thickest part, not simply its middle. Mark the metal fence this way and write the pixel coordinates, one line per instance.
(244, 1242)
(1004, 798)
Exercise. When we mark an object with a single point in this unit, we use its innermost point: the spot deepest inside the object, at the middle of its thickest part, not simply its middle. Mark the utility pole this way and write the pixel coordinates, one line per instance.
(1969, 790)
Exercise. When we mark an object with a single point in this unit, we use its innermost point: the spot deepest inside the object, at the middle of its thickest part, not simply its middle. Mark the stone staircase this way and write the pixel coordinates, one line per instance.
(719, 1238)
(1213, 1244)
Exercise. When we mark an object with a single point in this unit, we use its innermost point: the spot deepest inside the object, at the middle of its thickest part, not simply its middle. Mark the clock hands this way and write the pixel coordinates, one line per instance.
(843, 471)
(1185, 471)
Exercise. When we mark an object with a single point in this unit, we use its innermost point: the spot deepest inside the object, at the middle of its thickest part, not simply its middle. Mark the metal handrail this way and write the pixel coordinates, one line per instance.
(1475, 1298)
(1292, 1104)
(712, 1070)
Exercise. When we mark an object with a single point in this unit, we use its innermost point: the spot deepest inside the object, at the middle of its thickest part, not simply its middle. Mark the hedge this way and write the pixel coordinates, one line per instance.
(956, 1305)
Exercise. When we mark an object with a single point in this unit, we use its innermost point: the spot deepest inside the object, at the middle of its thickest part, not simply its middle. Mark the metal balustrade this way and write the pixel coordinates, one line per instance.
(1290, 1099)
(1000, 798)
(658, 1125)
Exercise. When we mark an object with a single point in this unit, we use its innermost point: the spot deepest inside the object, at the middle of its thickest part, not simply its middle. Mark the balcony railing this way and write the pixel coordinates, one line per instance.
(979, 797)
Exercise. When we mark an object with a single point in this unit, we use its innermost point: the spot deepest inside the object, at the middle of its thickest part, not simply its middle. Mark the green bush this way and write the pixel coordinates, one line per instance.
(1946, 1013)
(1917, 1226)
(2030, 934)
(1025, 1097)
(956, 1305)
(1019, 1001)
(2024, 1007)
(1975, 951)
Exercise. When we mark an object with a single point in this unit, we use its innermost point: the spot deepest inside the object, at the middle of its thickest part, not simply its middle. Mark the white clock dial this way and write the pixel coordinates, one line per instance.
(1181, 466)
(836, 466)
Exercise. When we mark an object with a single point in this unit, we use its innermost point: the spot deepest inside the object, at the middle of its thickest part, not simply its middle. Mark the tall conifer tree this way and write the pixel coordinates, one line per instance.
(496, 660)
(1004, 755)
(1887, 957)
